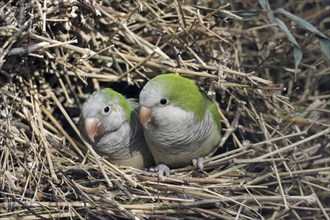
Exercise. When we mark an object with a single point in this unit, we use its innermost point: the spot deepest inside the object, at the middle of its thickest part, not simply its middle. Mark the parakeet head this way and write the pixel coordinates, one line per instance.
(169, 97)
(104, 111)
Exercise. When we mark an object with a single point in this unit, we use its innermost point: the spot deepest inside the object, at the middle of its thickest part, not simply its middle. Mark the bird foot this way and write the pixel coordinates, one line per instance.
(199, 163)
(162, 169)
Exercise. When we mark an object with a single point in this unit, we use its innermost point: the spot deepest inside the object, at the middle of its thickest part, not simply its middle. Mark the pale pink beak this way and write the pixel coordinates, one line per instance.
(93, 128)
(145, 115)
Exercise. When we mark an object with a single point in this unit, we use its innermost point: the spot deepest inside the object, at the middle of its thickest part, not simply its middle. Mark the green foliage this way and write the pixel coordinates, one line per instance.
(297, 52)
(324, 40)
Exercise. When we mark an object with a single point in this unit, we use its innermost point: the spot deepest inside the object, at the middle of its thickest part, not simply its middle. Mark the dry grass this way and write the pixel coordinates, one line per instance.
(274, 163)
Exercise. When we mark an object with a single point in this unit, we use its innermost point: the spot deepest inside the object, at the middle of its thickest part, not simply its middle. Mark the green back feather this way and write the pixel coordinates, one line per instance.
(215, 113)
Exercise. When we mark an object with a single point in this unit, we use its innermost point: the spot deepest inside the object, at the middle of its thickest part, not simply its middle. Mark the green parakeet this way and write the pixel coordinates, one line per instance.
(111, 125)
(181, 125)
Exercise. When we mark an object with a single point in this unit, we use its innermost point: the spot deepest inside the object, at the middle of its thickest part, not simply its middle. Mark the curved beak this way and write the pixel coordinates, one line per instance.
(145, 115)
(93, 128)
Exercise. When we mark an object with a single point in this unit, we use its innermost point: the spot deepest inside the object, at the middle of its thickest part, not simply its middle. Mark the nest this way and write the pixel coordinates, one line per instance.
(272, 164)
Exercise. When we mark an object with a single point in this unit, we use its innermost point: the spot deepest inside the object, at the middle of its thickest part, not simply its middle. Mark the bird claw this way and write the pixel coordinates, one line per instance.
(161, 169)
(199, 163)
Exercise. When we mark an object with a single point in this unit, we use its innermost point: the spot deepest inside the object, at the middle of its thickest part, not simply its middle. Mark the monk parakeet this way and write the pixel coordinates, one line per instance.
(111, 125)
(181, 125)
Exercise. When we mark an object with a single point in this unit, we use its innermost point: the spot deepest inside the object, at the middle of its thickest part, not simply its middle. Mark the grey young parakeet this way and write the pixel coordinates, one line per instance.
(180, 123)
(111, 125)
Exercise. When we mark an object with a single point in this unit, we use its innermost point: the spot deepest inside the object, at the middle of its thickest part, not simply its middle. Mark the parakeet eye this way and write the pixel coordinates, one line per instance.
(106, 109)
(163, 101)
